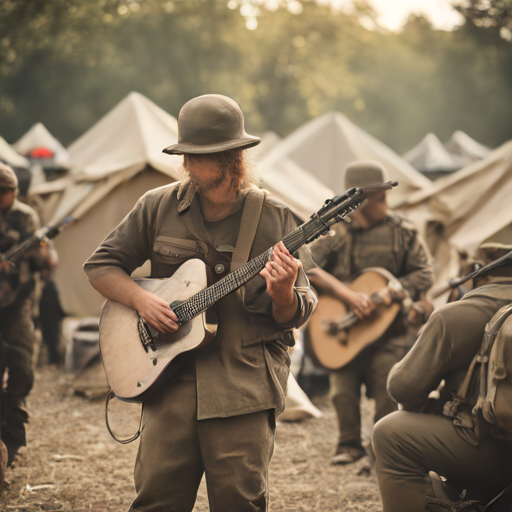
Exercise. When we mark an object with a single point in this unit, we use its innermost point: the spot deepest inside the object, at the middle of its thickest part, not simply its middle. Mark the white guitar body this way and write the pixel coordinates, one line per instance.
(130, 369)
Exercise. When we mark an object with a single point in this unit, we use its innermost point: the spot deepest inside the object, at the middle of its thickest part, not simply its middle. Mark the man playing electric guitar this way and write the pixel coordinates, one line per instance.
(375, 238)
(218, 417)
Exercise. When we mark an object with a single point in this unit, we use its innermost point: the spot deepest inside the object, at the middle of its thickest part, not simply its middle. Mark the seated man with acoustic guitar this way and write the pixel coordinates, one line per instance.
(218, 417)
(376, 237)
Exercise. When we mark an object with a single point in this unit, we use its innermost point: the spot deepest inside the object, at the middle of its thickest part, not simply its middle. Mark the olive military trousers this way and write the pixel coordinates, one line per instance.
(371, 367)
(409, 445)
(176, 449)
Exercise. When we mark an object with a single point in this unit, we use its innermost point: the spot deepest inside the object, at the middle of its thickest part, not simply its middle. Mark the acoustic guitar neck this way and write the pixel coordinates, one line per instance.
(201, 301)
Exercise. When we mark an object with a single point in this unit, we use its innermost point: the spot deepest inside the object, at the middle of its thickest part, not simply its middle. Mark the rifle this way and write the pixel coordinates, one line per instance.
(9, 283)
(41, 235)
(476, 274)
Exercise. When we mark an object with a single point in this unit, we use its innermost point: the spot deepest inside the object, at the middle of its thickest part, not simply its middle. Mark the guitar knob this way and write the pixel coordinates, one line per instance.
(219, 268)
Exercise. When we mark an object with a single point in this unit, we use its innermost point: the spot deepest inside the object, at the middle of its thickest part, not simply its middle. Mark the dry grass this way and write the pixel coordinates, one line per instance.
(72, 464)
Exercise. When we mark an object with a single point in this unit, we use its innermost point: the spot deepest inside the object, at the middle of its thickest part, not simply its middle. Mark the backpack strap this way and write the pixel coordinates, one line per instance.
(491, 332)
(248, 226)
(455, 408)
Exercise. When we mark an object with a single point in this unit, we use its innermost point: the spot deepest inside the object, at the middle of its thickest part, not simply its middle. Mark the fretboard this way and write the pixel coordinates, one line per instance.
(201, 301)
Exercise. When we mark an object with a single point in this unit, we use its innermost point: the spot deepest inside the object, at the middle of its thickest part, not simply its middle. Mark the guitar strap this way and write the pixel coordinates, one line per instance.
(248, 226)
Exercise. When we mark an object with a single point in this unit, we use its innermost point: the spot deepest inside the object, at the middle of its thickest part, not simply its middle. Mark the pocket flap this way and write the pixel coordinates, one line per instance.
(177, 247)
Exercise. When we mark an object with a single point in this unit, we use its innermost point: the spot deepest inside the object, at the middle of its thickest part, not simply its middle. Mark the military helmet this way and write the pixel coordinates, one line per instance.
(364, 173)
(210, 124)
(8, 179)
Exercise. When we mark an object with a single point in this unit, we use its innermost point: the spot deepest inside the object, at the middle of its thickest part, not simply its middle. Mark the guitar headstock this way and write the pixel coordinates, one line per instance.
(336, 209)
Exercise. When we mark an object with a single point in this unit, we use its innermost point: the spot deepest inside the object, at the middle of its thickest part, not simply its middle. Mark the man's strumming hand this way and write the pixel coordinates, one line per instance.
(280, 274)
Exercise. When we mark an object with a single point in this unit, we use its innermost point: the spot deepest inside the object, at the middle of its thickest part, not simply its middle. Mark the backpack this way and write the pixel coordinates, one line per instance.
(489, 394)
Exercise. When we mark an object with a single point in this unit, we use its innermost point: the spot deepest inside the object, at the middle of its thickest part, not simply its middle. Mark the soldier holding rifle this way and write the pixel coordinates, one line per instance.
(18, 222)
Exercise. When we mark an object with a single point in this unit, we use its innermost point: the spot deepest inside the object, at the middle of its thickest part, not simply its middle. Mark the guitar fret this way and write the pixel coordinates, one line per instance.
(202, 300)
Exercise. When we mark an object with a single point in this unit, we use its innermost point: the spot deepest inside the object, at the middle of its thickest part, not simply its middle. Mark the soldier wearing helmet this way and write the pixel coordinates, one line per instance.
(17, 223)
(218, 418)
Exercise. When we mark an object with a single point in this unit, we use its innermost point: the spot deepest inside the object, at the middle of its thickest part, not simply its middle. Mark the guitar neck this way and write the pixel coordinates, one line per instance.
(201, 301)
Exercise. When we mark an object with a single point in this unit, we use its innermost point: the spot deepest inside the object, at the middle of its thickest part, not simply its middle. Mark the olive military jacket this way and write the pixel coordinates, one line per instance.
(393, 244)
(248, 370)
(17, 225)
(447, 345)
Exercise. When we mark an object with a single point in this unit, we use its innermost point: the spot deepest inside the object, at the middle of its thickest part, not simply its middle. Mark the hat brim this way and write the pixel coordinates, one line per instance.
(243, 143)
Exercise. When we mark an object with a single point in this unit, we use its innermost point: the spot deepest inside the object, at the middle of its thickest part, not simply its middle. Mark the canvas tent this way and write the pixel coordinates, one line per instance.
(39, 137)
(324, 146)
(431, 158)
(466, 148)
(294, 186)
(114, 163)
(268, 141)
(10, 156)
(467, 208)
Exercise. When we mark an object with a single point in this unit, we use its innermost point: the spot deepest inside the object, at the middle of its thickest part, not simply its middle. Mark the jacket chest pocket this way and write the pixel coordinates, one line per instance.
(379, 254)
(169, 253)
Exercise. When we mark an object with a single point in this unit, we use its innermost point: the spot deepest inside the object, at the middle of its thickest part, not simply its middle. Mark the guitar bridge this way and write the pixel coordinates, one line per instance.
(146, 338)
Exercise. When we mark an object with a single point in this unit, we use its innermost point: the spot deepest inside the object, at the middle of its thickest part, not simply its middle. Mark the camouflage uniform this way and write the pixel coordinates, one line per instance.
(395, 245)
(16, 326)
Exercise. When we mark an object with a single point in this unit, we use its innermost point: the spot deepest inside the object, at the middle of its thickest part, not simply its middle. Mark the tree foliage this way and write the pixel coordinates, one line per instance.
(67, 62)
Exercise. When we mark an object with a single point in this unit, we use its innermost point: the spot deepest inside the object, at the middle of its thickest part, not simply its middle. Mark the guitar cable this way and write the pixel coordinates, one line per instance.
(128, 440)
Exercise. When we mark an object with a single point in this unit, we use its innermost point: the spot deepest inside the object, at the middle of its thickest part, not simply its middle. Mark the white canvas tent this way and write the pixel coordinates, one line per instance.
(114, 163)
(294, 186)
(430, 156)
(466, 148)
(37, 137)
(467, 208)
(10, 156)
(324, 146)
(268, 141)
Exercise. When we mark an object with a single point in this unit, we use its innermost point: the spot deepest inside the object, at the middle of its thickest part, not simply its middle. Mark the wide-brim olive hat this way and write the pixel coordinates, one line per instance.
(210, 124)
(364, 173)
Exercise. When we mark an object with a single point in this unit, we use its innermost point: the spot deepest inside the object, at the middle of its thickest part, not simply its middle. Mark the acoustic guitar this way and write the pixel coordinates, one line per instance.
(135, 354)
(337, 335)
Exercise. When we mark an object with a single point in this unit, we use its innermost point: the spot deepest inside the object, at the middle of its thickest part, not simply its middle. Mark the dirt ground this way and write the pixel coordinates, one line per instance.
(72, 464)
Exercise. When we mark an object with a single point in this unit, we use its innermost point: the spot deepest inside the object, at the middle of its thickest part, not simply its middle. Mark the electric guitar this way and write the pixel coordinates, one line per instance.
(135, 354)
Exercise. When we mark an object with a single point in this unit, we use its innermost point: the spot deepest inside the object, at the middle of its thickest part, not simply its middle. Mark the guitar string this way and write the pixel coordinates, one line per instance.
(201, 301)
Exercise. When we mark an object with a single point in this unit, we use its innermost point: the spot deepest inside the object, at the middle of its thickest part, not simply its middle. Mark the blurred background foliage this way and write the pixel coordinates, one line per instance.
(67, 62)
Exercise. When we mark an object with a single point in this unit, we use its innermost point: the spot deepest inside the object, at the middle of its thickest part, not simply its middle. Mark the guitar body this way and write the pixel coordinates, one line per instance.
(130, 369)
(334, 351)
